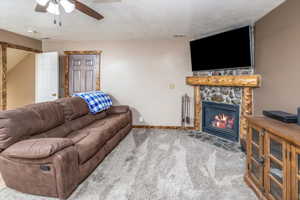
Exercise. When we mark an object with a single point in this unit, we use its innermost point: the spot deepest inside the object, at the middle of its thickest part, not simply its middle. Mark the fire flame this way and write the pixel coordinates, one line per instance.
(223, 121)
(221, 117)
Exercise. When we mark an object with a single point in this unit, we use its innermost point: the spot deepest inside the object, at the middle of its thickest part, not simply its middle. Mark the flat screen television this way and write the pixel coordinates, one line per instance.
(231, 49)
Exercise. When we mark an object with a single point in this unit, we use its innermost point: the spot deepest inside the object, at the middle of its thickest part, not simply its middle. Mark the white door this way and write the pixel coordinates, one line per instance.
(47, 77)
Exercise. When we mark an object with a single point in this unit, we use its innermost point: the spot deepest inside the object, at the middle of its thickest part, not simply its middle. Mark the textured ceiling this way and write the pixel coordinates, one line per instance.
(14, 57)
(135, 19)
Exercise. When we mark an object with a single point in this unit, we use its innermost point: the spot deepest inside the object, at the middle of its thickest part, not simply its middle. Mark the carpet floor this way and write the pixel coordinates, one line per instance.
(163, 165)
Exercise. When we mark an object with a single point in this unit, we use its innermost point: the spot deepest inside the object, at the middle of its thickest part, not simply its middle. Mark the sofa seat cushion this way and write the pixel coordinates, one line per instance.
(113, 123)
(118, 109)
(118, 121)
(77, 136)
(37, 148)
(89, 142)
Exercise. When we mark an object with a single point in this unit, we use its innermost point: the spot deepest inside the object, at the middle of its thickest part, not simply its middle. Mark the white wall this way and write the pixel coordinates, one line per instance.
(139, 74)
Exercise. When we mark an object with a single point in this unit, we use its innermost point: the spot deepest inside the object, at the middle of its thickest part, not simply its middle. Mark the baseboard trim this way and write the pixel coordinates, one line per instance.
(164, 127)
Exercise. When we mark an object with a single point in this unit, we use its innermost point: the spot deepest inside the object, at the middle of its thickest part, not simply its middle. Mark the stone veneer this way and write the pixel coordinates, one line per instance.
(229, 95)
(224, 72)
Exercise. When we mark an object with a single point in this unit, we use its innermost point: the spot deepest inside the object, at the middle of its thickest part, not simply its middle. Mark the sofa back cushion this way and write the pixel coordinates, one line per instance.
(73, 107)
(18, 124)
(51, 114)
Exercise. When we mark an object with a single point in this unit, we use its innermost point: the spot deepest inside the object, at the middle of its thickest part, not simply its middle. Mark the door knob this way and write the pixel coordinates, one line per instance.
(54, 94)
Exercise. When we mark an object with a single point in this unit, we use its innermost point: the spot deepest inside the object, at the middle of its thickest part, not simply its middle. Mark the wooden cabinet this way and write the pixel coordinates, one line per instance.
(295, 173)
(273, 159)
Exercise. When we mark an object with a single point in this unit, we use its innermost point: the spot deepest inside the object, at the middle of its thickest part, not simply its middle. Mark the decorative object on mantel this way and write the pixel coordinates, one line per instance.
(246, 82)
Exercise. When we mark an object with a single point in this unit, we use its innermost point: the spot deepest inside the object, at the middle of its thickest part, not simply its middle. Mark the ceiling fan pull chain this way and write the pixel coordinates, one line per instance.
(60, 21)
(54, 21)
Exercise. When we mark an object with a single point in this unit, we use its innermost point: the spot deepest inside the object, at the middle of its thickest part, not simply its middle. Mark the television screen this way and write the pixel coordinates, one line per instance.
(231, 49)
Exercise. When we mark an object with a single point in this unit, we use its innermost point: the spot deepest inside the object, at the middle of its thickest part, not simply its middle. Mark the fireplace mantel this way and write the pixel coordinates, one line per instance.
(246, 82)
(234, 81)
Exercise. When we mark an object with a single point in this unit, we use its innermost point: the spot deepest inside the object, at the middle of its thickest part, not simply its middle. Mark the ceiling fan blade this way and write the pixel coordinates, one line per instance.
(87, 10)
(107, 1)
(39, 8)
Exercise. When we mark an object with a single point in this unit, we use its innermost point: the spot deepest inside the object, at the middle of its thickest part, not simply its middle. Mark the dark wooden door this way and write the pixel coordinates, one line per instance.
(83, 73)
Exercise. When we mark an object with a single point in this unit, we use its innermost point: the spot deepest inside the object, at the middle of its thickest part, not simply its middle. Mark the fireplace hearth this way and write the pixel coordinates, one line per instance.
(221, 119)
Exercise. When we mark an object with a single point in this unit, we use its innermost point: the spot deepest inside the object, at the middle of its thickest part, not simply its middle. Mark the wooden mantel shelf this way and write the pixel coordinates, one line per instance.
(234, 81)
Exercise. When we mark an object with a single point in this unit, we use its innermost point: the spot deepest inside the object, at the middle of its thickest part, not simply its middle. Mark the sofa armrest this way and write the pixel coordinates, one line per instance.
(37, 148)
(55, 176)
(67, 171)
(118, 109)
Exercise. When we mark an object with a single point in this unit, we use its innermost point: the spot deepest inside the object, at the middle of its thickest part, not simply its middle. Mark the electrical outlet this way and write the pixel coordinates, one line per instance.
(141, 119)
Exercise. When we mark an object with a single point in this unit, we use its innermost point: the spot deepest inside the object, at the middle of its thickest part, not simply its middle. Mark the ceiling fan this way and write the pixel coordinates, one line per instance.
(53, 7)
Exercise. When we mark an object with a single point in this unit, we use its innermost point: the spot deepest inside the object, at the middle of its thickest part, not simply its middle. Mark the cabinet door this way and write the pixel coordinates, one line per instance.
(255, 156)
(276, 174)
(295, 178)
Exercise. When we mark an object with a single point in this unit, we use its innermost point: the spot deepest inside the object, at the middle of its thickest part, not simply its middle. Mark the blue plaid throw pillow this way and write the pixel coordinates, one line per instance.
(97, 101)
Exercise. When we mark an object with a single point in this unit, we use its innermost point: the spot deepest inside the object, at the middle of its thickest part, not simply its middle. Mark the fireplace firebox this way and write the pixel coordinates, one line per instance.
(221, 120)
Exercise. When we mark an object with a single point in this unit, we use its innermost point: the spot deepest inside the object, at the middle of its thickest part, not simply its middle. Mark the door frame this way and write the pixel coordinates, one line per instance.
(66, 69)
(3, 68)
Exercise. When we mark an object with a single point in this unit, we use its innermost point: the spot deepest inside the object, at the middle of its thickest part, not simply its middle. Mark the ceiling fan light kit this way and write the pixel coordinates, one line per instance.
(53, 5)
(53, 8)
(67, 5)
(42, 2)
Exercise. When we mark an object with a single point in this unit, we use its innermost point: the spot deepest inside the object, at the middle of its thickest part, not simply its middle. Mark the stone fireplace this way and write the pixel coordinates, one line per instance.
(221, 119)
(235, 91)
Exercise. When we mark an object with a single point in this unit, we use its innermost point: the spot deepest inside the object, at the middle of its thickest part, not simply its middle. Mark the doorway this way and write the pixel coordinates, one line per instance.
(31, 77)
(27, 76)
(20, 78)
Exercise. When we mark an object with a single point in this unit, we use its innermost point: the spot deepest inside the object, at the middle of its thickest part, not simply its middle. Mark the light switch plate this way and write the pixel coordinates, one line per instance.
(172, 86)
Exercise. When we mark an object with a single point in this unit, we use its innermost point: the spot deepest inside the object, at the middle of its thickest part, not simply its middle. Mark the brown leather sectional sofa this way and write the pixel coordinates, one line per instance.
(49, 148)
